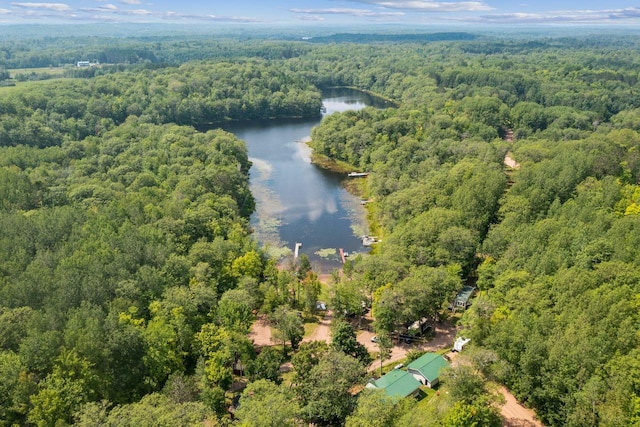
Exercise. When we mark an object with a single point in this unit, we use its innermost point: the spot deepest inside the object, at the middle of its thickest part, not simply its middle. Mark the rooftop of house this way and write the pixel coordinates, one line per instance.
(464, 294)
(397, 383)
(429, 365)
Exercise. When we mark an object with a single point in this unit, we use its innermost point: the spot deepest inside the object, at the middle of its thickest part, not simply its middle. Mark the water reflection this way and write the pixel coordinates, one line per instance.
(297, 201)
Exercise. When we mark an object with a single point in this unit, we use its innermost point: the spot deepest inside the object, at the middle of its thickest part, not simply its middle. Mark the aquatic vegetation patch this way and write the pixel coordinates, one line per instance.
(326, 253)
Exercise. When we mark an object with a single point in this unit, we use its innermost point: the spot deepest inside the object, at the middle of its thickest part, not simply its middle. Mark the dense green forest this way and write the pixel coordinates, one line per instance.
(552, 245)
(129, 278)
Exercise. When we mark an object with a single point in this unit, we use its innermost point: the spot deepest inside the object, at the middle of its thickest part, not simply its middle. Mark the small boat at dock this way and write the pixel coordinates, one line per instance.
(357, 174)
(369, 240)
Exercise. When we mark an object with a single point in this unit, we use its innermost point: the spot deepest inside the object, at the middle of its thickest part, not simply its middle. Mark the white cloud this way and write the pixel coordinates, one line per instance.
(313, 18)
(632, 12)
(107, 8)
(60, 7)
(229, 18)
(130, 1)
(171, 15)
(351, 12)
(430, 6)
(566, 16)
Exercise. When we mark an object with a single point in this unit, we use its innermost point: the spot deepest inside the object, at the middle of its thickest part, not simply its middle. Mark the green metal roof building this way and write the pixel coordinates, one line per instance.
(397, 383)
(462, 298)
(426, 368)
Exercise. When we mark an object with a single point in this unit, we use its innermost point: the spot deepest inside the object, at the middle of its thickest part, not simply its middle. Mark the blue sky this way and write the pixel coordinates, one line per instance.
(330, 12)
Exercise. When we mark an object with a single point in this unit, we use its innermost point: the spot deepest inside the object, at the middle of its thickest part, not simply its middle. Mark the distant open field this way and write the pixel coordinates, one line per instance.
(53, 71)
(42, 74)
(6, 89)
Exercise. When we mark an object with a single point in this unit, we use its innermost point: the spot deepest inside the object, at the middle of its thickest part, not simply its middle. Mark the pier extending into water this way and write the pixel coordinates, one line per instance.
(296, 250)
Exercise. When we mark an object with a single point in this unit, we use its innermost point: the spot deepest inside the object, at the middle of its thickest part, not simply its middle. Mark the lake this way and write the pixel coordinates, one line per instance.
(296, 200)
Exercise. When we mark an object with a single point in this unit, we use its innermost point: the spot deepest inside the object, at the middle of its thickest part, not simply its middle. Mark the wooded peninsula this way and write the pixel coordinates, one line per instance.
(130, 279)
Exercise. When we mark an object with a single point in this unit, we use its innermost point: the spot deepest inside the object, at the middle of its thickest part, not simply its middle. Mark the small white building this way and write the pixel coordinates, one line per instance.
(82, 64)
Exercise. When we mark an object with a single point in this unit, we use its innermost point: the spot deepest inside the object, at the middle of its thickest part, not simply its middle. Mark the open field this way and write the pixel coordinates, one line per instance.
(52, 71)
(6, 89)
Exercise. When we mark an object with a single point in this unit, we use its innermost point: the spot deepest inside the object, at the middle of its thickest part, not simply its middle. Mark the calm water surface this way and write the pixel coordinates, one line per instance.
(296, 200)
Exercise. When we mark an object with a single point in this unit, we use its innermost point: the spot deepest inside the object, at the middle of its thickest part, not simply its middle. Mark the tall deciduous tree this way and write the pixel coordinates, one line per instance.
(16, 385)
(266, 366)
(343, 338)
(264, 403)
(71, 383)
(376, 408)
(234, 310)
(385, 345)
(306, 358)
(221, 349)
(326, 395)
(287, 326)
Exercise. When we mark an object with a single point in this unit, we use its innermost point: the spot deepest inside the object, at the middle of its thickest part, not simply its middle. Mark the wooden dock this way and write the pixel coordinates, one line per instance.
(296, 250)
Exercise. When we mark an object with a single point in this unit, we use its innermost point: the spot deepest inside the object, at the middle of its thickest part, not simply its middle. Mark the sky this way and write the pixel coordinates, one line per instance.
(329, 12)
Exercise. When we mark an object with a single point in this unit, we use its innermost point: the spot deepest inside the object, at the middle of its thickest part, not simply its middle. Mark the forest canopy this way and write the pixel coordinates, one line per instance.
(129, 278)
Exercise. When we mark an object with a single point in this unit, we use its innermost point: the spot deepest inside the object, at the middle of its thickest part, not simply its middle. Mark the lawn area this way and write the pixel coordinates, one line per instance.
(51, 71)
(287, 377)
(310, 327)
(6, 89)
(427, 393)
(22, 85)
(325, 292)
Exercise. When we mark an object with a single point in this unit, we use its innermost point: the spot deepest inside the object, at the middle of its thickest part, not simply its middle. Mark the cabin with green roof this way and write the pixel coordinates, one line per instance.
(397, 383)
(426, 369)
(462, 298)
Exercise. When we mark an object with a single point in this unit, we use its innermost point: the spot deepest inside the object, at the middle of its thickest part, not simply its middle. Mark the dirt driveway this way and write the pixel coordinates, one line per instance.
(516, 415)
(261, 335)
(445, 335)
(323, 331)
(260, 332)
(513, 413)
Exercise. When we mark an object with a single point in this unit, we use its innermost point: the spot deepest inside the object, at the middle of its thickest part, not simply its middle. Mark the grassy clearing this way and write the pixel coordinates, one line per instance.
(287, 377)
(429, 398)
(51, 71)
(27, 84)
(310, 328)
(325, 292)
(427, 393)
(6, 89)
